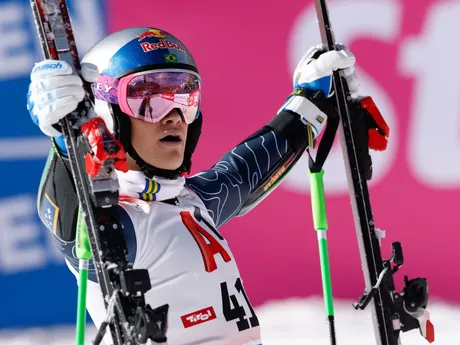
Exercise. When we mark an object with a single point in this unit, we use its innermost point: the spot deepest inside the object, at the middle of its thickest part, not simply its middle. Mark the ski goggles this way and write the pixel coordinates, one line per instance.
(151, 95)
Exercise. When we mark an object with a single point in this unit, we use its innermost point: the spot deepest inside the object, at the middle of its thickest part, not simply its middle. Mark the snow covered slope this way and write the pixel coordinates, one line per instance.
(287, 322)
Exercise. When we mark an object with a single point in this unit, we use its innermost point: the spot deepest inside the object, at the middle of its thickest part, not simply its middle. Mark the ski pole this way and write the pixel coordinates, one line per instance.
(83, 251)
(318, 206)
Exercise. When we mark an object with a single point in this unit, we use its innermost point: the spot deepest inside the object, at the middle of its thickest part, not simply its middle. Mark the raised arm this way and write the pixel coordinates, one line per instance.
(250, 171)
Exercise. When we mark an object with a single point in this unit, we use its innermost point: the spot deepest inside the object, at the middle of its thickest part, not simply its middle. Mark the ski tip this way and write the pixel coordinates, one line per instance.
(429, 332)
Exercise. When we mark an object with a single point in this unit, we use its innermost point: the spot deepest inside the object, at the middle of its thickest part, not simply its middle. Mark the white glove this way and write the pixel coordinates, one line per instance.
(314, 72)
(54, 92)
(317, 64)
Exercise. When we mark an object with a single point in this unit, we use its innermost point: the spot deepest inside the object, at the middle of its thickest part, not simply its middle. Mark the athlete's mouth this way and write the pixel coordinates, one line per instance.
(171, 138)
(173, 135)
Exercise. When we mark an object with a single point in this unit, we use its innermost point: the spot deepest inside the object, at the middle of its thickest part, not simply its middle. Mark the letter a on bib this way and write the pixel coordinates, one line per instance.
(208, 250)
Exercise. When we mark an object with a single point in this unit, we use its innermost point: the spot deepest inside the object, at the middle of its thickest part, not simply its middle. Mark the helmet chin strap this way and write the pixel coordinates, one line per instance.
(151, 171)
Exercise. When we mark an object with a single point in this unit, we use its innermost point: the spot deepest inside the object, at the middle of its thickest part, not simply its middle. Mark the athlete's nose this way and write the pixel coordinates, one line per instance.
(174, 117)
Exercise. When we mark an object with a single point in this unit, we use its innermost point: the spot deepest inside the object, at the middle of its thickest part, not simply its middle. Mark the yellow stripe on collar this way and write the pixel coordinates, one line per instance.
(151, 190)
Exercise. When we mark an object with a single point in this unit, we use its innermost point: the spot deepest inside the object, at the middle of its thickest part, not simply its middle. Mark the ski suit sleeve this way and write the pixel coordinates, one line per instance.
(58, 210)
(250, 171)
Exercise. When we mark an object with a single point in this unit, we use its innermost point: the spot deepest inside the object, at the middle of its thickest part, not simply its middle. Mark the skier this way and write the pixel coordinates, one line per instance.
(145, 104)
(171, 222)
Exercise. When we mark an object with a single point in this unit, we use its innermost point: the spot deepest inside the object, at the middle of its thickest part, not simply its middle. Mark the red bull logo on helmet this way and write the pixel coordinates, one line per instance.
(162, 44)
(152, 33)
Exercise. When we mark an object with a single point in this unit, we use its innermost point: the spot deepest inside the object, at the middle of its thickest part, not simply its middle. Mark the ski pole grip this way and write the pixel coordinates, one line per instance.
(318, 204)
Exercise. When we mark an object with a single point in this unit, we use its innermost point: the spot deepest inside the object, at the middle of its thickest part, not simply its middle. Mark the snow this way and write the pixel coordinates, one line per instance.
(297, 322)
(287, 322)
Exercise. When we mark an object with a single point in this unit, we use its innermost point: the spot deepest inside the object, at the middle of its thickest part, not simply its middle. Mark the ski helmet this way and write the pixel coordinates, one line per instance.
(132, 63)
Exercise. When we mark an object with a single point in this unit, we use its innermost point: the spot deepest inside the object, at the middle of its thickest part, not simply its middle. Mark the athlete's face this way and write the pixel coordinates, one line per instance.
(160, 144)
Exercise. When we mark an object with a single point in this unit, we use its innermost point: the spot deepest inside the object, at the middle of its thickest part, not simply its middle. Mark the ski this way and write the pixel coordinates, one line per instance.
(392, 312)
(93, 156)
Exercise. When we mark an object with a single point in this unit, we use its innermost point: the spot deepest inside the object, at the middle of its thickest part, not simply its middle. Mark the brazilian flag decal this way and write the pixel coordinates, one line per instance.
(170, 58)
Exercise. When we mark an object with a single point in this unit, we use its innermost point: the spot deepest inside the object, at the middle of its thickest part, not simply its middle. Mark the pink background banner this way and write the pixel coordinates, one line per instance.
(406, 59)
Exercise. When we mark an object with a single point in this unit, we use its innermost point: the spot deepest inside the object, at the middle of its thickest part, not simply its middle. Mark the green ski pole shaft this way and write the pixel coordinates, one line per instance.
(84, 255)
(320, 223)
(81, 307)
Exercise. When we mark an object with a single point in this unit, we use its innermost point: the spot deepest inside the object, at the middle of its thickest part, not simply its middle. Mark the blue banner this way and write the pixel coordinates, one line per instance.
(36, 288)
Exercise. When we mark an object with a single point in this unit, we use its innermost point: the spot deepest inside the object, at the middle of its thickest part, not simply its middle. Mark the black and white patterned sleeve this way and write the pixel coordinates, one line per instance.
(246, 175)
